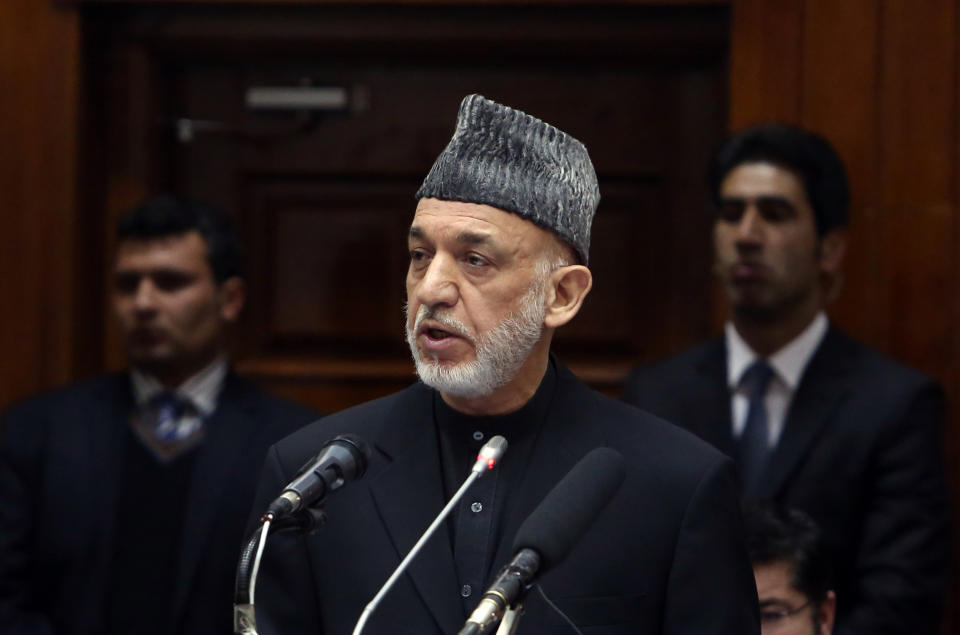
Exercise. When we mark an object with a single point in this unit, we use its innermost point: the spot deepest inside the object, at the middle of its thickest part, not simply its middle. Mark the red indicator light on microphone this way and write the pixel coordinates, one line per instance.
(490, 461)
(489, 455)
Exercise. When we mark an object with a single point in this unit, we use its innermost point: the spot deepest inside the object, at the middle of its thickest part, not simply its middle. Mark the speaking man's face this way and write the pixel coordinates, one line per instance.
(171, 310)
(475, 294)
(766, 245)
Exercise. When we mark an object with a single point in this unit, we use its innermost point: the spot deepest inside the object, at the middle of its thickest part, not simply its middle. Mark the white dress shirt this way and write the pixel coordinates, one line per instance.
(788, 365)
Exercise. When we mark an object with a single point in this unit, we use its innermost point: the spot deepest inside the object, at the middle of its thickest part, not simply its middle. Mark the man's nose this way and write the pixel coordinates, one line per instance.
(439, 284)
(145, 296)
(750, 226)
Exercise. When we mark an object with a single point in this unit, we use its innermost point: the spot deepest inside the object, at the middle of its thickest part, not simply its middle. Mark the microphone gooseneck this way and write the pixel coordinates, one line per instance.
(487, 459)
(342, 459)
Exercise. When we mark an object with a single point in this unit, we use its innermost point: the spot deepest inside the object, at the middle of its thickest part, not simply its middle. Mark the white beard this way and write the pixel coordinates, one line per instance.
(500, 353)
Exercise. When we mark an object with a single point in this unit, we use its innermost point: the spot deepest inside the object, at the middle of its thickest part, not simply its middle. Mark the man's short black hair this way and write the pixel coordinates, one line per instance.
(174, 215)
(777, 534)
(805, 153)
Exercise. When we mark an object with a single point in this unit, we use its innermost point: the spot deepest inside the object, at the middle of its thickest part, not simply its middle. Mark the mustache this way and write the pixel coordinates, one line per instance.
(448, 322)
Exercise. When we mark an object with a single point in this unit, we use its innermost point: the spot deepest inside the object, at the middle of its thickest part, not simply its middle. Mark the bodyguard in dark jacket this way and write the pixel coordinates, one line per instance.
(815, 420)
(123, 499)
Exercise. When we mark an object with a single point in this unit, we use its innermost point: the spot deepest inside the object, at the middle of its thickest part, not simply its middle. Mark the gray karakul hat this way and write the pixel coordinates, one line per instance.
(505, 158)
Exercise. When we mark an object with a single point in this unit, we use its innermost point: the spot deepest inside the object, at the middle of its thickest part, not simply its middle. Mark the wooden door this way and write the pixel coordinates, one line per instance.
(324, 198)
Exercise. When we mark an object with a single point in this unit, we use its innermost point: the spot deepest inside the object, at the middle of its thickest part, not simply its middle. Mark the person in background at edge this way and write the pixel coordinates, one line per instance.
(815, 420)
(123, 499)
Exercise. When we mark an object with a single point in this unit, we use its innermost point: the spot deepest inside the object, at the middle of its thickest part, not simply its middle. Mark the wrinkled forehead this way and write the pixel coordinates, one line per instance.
(477, 223)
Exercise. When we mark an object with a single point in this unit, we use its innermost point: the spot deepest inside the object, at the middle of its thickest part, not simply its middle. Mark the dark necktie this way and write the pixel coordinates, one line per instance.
(754, 442)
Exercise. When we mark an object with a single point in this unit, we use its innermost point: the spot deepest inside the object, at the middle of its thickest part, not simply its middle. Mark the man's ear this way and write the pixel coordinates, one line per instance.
(233, 294)
(569, 285)
(828, 610)
(833, 247)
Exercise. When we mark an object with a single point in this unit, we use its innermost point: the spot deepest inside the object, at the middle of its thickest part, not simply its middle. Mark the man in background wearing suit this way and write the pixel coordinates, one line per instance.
(498, 250)
(123, 499)
(814, 419)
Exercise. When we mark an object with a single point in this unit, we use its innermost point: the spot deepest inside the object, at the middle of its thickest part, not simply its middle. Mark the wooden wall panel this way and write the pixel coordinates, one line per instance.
(951, 305)
(766, 60)
(918, 117)
(130, 163)
(839, 98)
(39, 114)
(329, 267)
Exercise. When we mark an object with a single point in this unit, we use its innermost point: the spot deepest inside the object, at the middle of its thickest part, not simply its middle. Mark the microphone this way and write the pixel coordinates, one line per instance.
(489, 454)
(488, 457)
(342, 459)
(551, 532)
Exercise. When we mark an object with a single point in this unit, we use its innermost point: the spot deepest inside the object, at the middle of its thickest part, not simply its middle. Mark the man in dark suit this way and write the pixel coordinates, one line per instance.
(815, 420)
(498, 251)
(123, 499)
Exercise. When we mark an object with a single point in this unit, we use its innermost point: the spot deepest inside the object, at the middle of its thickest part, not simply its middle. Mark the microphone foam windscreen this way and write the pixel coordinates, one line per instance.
(565, 514)
(358, 448)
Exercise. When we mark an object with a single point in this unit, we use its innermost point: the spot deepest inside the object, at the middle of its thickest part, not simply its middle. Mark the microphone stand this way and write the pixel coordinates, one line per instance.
(511, 620)
(485, 461)
(244, 616)
(508, 623)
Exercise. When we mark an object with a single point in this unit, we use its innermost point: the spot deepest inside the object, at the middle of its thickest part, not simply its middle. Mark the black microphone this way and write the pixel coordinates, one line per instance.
(340, 460)
(551, 532)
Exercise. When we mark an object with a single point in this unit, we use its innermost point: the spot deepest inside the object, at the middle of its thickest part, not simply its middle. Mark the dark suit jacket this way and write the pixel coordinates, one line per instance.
(60, 456)
(666, 556)
(860, 452)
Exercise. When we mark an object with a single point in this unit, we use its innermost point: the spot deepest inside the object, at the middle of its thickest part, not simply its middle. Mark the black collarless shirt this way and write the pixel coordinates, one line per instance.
(476, 524)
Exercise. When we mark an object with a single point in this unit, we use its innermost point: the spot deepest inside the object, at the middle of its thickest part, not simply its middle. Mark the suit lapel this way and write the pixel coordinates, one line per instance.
(408, 494)
(820, 390)
(104, 436)
(709, 400)
(227, 434)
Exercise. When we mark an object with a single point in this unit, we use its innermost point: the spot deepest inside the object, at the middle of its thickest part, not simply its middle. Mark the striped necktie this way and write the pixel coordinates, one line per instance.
(165, 410)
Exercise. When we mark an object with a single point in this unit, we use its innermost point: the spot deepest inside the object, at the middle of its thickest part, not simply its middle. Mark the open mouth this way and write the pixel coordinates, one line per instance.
(436, 333)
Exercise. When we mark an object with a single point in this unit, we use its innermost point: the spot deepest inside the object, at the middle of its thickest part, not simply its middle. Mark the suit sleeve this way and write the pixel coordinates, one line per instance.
(285, 599)
(711, 589)
(20, 452)
(902, 566)
(633, 392)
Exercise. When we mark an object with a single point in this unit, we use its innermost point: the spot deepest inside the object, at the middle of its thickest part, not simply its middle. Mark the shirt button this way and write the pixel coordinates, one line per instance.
(476, 508)
(466, 591)
(478, 436)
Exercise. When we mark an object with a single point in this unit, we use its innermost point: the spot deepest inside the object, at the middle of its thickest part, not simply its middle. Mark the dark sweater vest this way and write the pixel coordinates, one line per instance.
(151, 501)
